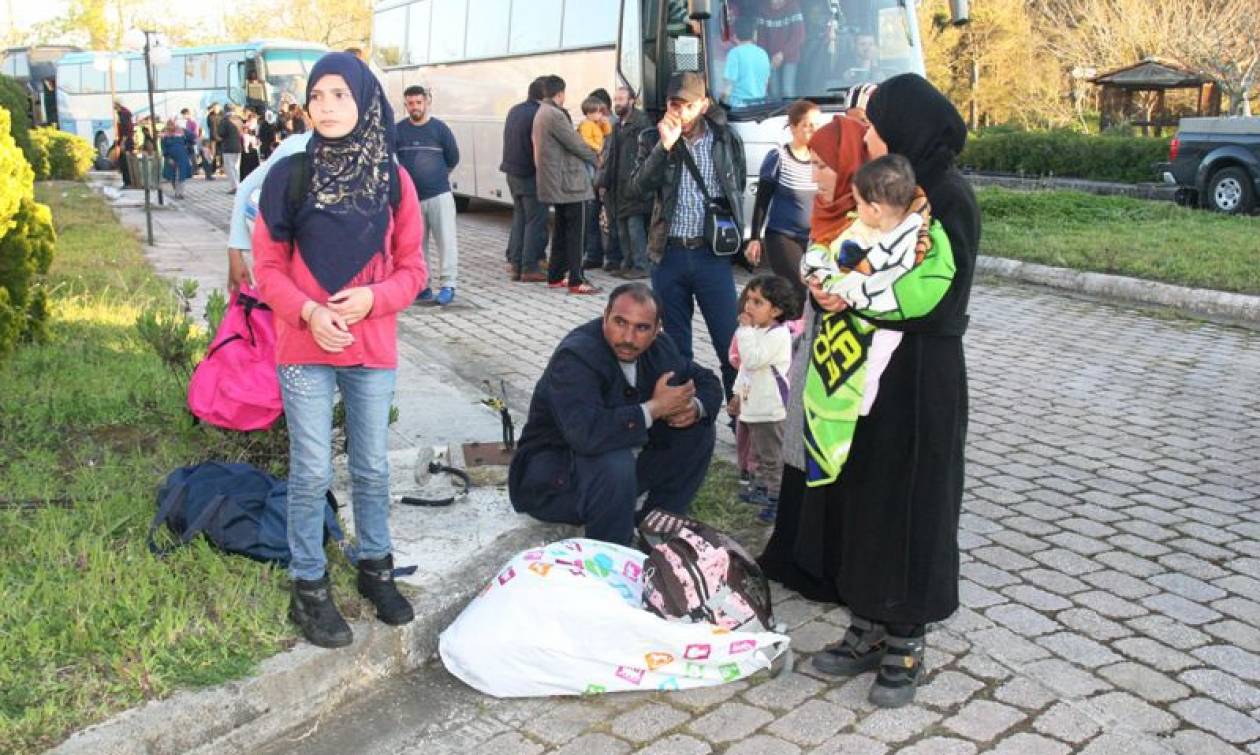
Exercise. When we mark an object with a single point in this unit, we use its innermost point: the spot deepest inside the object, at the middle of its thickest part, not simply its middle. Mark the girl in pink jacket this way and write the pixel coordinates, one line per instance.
(336, 266)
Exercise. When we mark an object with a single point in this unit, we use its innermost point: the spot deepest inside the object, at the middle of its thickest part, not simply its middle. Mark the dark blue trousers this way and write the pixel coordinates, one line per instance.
(602, 489)
(686, 277)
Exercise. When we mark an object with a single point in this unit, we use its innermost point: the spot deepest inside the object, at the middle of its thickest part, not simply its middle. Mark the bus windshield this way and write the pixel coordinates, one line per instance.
(817, 49)
(286, 72)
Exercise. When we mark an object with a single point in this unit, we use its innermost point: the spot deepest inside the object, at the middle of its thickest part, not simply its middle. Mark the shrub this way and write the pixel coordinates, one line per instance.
(27, 240)
(67, 157)
(1065, 153)
(13, 97)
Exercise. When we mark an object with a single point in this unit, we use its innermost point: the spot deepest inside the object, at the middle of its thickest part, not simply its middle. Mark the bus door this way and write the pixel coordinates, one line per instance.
(655, 39)
(236, 83)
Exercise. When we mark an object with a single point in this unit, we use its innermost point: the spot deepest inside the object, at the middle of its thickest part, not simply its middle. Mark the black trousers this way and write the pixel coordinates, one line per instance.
(568, 239)
(603, 488)
(784, 253)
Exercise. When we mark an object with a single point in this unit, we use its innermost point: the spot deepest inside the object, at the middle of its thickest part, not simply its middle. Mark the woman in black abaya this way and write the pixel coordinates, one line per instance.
(885, 533)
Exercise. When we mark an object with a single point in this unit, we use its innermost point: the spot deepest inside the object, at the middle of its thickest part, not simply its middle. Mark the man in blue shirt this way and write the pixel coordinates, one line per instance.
(747, 69)
(427, 150)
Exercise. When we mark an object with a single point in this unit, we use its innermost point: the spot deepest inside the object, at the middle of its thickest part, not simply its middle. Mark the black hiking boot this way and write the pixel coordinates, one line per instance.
(312, 609)
(376, 583)
(900, 672)
(859, 651)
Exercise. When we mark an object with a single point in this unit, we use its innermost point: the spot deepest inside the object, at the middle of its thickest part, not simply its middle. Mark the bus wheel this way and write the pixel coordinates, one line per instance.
(461, 203)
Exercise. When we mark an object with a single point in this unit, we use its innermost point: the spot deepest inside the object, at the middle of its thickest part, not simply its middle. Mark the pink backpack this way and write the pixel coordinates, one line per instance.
(235, 387)
(695, 573)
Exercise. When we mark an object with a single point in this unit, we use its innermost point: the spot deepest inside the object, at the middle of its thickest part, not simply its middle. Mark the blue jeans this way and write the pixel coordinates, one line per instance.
(686, 274)
(527, 244)
(308, 407)
(632, 237)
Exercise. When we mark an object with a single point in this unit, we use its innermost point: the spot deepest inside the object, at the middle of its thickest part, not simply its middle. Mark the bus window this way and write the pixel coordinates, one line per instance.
(449, 20)
(589, 22)
(389, 31)
(199, 71)
(137, 80)
(95, 81)
(491, 37)
(68, 78)
(535, 25)
(418, 15)
(286, 73)
(171, 75)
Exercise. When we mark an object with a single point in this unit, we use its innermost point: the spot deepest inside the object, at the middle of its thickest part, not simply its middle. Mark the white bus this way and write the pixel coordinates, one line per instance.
(479, 56)
(35, 68)
(195, 77)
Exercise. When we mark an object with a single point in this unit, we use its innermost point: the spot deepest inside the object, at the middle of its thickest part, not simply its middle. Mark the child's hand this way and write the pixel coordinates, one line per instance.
(745, 319)
(732, 406)
(353, 304)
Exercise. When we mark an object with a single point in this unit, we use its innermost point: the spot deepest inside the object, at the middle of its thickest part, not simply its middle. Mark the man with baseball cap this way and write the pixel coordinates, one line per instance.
(686, 270)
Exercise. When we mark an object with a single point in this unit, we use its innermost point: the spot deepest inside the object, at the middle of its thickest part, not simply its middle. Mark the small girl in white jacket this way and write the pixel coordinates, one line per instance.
(765, 350)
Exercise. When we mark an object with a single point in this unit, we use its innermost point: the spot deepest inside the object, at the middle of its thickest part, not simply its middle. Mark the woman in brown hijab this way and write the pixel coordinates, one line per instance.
(837, 151)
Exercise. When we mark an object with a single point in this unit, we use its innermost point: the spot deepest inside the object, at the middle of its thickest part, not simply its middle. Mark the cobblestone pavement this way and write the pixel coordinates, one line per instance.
(1111, 553)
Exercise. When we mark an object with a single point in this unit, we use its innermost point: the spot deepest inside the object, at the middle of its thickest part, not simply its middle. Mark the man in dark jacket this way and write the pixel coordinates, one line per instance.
(528, 242)
(686, 267)
(617, 413)
(231, 145)
(564, 163)
(627, 209)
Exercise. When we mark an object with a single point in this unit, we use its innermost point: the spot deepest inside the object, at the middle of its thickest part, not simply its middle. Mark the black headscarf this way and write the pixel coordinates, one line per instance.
(917, 122)
(344, 215)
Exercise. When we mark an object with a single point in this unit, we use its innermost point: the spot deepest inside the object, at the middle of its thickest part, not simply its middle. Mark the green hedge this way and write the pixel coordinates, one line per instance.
(1069, 154)
(27, 240)
(62, 156)
(13, 98)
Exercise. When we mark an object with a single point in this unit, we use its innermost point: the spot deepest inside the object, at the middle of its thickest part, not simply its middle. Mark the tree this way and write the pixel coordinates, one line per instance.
(996, 69)
(336, 23)
(1219, 39)
(1230, 55)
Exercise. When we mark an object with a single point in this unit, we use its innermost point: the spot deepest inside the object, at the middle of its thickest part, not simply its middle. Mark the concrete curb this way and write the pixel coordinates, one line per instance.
(1219, 306)
(297, 687)
(1149, 190)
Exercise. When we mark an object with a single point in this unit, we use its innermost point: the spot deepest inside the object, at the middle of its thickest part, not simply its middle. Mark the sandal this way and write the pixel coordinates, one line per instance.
(584, 289)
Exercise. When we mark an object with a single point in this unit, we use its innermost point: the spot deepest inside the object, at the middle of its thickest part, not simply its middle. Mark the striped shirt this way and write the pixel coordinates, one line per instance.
(794, 191)
(688, 220)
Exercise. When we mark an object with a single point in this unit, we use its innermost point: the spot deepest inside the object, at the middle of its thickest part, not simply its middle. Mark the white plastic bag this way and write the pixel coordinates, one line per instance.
(567, 619)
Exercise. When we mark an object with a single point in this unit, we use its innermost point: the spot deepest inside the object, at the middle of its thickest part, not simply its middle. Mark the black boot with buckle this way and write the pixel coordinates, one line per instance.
(311, 607)
(859, 651)
(900, 672)
(376, 583)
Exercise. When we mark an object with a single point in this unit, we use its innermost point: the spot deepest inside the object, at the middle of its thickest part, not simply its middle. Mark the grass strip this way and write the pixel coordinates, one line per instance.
(1157, 241)
(90, 423)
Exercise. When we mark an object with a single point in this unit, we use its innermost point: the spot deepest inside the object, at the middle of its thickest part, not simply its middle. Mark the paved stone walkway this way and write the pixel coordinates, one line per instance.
(1111, 553)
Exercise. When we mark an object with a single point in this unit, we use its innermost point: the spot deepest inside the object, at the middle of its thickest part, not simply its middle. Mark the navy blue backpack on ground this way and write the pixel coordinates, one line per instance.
(240, 509)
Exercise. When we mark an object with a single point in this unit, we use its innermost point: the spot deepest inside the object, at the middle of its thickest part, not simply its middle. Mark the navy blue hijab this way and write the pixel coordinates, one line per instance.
(344, 214)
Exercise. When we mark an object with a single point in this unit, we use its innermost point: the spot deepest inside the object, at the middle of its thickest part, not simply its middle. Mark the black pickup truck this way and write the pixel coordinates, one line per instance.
(1215, 162)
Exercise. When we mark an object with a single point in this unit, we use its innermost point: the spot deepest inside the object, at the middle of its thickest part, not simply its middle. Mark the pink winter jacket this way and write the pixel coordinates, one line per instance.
(395, 276)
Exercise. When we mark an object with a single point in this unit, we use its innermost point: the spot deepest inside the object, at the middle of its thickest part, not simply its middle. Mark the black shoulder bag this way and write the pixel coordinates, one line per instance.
(720, 229)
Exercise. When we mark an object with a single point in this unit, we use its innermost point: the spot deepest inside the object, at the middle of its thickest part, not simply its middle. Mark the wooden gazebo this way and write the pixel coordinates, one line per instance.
(1139, 95)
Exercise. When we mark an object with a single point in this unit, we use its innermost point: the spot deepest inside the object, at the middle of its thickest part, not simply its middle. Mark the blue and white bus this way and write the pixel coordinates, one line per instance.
(195, 78)
(35, 68)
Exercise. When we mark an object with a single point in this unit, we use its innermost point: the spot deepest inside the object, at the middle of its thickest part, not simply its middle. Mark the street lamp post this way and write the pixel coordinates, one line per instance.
(154, 54)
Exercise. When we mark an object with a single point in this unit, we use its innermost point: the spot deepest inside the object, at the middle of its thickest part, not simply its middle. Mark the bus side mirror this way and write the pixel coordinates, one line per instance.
(958, 12)
(701, 10)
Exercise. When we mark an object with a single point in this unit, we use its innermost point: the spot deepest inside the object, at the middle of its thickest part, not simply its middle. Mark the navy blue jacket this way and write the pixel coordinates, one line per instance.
(518, 140)
(583, 404)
